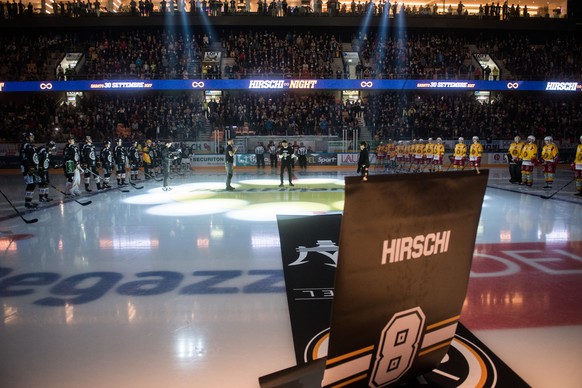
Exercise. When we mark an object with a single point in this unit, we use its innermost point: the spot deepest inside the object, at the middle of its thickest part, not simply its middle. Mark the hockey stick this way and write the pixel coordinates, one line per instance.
(153, 177)
(31, 221)
(135, 186)
(560, 189)
(110, 188)
(79, 202)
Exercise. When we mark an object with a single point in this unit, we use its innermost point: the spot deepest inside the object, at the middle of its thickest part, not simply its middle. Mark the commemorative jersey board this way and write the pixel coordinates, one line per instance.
(396, 326)
(402, 275)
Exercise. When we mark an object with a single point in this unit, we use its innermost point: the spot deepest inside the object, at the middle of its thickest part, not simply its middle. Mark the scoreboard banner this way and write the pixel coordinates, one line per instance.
(288, 84)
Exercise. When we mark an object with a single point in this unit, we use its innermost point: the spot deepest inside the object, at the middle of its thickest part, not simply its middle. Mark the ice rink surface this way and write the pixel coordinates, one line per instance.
(183, 288)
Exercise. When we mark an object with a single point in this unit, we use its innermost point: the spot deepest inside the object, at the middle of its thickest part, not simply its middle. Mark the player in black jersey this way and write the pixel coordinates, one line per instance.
(89, 163)
(120, 159)
(44, 162)
(29, 168)
(106, 159)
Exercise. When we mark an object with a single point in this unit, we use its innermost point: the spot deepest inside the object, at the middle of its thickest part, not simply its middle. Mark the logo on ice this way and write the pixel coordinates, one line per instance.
(406, 248)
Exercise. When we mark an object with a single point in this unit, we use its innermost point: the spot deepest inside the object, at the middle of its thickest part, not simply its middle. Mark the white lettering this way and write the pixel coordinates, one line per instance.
(406, 248)
(266, 84)
(562, 86)
(548, 265)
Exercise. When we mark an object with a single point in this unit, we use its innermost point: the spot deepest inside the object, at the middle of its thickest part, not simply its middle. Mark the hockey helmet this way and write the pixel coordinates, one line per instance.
(439, 140)
(461, 139)
(106, 142)
(475, 138)
(51, 145)
(531, 138)
(548, 138)
(88, 139)
(27, 135)
(517, 139)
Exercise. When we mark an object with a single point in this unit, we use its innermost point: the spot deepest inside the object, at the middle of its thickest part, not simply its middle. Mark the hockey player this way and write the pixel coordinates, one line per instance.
(475, 153)
(400, 149)
(44, 162)
(89, 164)
(286, 156)
(71, 158)
(120, 161)
(529, 158)
(429, 154)
(459, 155)
(134, 161)
(513, 157)
(418, 155)
(106, 158)
(147, 158)
(438, 153)
(550, 160)
(29, 169)
(578, 169)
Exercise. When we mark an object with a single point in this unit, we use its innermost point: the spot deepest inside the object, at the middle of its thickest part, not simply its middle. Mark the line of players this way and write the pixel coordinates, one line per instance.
(416, 156)
(523, 157)
(412, 156)
(84, 161)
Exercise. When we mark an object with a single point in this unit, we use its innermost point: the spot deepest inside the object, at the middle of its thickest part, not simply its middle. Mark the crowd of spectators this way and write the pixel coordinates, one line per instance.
(387, 115)
(143, 54)
(421, 55)
(105, 116)
(291, 54)
(530, 58)
(276, 8)
(403, 116)
(162, 53)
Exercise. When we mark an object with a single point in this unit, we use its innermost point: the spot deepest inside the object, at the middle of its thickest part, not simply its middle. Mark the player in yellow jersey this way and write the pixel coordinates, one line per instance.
(475, 153)
(147, 159)
(529, 158)
(438, 153)
(418, 155)
(550, 160)
(428, 154)
(380, 155)
(400, 149)
(513, 157)
(391, 154)
(578, 169)
(460, 154)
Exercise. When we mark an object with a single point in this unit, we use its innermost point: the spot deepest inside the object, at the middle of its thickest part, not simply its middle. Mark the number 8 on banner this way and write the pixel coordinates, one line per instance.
(398, 346)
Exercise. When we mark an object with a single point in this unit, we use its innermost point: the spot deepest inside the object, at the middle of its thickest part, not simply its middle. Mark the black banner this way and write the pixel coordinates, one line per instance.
(309, 248)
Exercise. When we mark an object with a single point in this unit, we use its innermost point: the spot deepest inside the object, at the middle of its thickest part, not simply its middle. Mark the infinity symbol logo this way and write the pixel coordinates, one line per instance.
(197, 84)
(47, 86)
(366, 84)
(512, 85)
